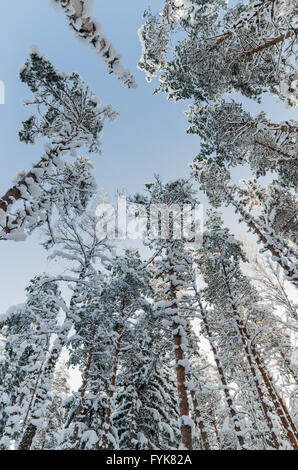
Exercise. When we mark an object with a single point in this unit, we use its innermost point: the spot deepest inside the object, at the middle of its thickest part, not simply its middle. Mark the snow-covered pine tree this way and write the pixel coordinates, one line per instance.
(279, 211)
(125, 294)
(76, 241)
(279, 336)
(231, 292)
(29, 330)
(234, 137)
(271, 284)
(13, 325)
(90, 351)
(146, 405)
(215, 181)
(167, 237)
(219, 57)
(154, 35)
(208, 399)
(250, 403)
(99, 347)
(89, 30)
(198, 363)
(70, 117)
(47, 438)
(127, 398)
(231, 410)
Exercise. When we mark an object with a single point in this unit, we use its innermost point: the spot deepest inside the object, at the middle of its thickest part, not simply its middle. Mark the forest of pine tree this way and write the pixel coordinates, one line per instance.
(181, 341)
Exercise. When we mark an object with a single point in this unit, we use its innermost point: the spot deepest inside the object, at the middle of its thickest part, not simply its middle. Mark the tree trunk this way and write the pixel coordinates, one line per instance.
(32, 396)
(28, 437)
(278, 402)
(42, 391)
(200, 421)
(214, 424)
(87, 28)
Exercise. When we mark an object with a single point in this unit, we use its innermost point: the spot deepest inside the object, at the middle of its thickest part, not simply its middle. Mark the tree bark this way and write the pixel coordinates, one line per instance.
(200, 421)
(214, 424)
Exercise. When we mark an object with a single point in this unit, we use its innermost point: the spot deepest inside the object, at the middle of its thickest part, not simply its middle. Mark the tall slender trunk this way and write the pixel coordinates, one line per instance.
(200, 420)
(198, 415)
(186, 431)
(278, 402)
(84, 386)
(133, 426)
(42, 390)
(253, 403)
(251, 352)
(228, 398)
(107, 422)
(259, 390)
(214, 424)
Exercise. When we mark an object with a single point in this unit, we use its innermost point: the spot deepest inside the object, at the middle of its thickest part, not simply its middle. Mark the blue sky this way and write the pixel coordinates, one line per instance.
(148, 137)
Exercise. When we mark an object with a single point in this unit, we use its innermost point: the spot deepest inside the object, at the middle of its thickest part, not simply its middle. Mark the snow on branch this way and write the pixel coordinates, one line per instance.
(88, 30)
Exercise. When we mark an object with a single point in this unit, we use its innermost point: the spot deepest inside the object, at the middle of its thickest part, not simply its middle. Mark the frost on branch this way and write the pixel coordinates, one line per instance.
(154, 37)
(89, 31)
